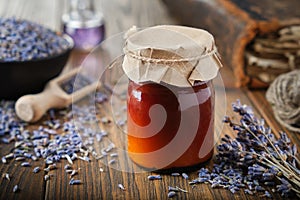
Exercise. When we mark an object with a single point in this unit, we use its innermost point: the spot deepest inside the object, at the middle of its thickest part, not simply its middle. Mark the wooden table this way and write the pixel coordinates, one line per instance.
(119, 15)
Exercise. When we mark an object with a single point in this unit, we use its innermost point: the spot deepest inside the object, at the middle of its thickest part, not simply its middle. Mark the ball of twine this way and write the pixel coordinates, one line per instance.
(284, 97)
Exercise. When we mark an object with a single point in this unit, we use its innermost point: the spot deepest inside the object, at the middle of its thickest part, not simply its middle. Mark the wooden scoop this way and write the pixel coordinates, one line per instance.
(31, 108)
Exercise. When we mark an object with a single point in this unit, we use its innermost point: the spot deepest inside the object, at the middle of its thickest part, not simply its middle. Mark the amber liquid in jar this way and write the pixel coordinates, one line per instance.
(146, 141)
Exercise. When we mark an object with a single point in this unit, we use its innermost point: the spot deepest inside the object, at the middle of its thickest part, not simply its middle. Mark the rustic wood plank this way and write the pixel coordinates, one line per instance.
(31, 185)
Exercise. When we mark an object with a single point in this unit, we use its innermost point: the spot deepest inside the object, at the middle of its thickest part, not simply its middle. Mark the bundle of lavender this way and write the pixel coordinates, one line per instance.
(254, 159)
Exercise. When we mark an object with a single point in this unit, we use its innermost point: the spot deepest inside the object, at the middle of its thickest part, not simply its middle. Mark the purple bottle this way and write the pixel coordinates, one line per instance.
(83, 24)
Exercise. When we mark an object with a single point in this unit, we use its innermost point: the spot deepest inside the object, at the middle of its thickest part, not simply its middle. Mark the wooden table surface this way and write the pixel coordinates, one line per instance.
(120, 15)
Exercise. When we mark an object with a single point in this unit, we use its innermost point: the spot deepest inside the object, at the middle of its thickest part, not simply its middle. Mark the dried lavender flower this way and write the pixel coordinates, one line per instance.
(67, 166)
(25, 164)
(121, 186)
(184, 175)
(3, 159)
(154, 177)
(6, 175)
(247, 191)
(36, 170)
(113, 155)
(50, 167)
(171, 194)
(47, 177)
(15, 189)
(170, 188)
(267, 194)
(112, 161)
(254, 158)
(181, 190)
(73, 173)
(21, 158)
(75, 182)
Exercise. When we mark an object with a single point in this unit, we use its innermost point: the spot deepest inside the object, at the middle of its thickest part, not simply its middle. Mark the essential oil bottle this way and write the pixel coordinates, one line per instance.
(84, 24)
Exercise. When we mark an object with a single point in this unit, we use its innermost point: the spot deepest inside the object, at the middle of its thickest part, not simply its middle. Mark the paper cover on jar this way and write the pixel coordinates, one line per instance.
(175, 55)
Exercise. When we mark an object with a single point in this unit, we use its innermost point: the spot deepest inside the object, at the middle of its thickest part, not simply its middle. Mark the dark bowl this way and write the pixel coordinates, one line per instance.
(30, 77)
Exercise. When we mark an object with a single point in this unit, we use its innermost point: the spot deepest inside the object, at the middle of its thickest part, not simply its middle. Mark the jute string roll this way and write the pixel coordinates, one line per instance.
(284, 97)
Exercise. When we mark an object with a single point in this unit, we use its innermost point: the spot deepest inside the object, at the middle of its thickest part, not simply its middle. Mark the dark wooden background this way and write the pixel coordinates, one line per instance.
(120, 15)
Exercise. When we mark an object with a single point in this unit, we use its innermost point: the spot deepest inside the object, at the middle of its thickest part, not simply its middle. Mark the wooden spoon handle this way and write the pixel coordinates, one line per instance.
(31, 108)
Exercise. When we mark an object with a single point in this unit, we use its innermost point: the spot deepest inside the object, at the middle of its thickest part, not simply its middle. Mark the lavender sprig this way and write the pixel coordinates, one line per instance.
(276, 158)
(254, 160)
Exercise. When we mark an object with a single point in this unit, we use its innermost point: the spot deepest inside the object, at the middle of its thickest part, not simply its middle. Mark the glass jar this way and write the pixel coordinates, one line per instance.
(178, 103)
(170, 100)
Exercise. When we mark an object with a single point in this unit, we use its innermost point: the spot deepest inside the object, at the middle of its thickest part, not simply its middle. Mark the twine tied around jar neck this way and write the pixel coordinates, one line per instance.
(172, 60)
(176, 55)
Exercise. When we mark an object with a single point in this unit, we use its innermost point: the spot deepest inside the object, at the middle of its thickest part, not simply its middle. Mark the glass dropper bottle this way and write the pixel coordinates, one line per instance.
(84, 24)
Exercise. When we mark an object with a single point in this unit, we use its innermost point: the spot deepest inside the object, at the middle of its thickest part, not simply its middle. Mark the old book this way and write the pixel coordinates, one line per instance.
(258, 39)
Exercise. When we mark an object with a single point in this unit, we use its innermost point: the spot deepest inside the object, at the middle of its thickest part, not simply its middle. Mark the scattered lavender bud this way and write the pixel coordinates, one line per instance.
(175, 189)
(267, 194)
(94, 154)
(110, 147)
(113, 155)
(3, 159)
(215, 185)
(121, 186)
(36, 170)
(56, 126)
(273, 190)
(112, 161)
(20, 158)
(69, 171)
(75, 182)
(105, 120)
(74, 172)
(121, 122)
(67, 166)
(232, 190)
(175, 174)
(154, 177)
(100, 157)
(27, 155)
(247, 191)
(50, 167)
(171, 194)
(9, 156)
(68, 159)
(181, 190)
(256, 182)
(259, 188)
(25, 164)
(87, 159)
(269, 183)
(49, 162)
(185, 176)
(103, 152)
(100, 97)
(15, 189)
(47, 177)
(6, 175)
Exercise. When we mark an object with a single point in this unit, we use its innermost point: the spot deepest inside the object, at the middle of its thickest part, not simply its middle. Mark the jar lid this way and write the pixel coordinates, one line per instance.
(177, 55)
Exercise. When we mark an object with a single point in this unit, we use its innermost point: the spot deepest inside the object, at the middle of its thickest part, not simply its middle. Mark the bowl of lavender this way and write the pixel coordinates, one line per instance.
(30, 55)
